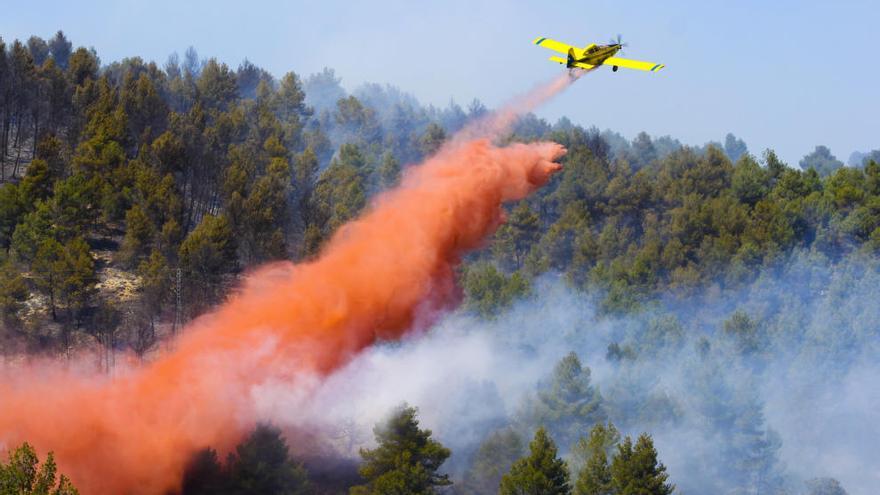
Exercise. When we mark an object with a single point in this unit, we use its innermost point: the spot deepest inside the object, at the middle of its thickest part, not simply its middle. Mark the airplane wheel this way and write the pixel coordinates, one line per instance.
(614, 68)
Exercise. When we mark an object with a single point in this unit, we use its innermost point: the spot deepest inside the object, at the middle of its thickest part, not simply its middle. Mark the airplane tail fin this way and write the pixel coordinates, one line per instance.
(572, 58)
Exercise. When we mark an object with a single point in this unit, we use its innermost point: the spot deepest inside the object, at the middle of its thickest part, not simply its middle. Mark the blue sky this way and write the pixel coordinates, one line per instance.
(782, 74)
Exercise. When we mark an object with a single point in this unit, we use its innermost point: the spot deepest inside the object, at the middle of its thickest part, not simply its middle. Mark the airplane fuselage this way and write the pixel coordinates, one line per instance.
(593, 54)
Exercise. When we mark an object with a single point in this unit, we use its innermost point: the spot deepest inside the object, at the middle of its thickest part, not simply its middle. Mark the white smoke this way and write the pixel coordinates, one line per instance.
(468, 376)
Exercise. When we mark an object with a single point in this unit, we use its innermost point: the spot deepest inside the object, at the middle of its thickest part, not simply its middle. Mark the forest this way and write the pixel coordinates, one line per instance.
(687, 313)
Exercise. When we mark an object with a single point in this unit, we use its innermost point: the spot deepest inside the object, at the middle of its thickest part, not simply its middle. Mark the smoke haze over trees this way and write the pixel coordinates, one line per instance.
(713, 297)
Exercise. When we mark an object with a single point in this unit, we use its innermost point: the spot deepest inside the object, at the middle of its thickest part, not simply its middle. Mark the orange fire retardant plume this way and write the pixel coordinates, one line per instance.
(379, 276)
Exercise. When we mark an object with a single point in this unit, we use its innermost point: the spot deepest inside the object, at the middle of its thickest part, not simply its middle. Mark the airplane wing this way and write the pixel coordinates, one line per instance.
(552, 44)
(579, 65)
(633, 64)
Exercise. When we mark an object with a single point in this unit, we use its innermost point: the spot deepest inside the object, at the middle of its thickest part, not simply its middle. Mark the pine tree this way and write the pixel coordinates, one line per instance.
(516, 237)
(37, 181)
(22, 474)
(204, 475)
(734, 147)
(262, 464)
(567, 403)
(494, 458)
(821, 160)
(47, 267)
(341, 191)
(217, 85)
(60, 49)
(77, 276)
(488, 290)
(12, 209)
(145, 108)
(265, 212)
(432, 139)
(389, 171)
(542, 472)
(155, 291)
(207, 253)
(139, 232)
(406, 461)
(33, 229)
(76, 203)
(594, 473)
(636, 470)
(13, 291)
(291, 110)
(305, 175)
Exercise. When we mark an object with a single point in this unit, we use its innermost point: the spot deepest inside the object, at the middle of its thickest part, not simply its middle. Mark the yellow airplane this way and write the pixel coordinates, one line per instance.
(593, 55)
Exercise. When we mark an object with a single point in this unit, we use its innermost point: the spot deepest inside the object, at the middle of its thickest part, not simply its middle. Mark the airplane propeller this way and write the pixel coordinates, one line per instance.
(618, 41)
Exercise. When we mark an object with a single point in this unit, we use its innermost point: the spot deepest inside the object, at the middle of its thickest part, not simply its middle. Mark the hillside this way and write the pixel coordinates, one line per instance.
(136, 197)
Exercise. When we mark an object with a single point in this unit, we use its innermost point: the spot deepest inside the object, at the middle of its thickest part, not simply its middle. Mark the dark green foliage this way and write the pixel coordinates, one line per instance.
(37, 181)
(541, 472)
(323, 90)
(750, 182)
(744, 332)
(515, 238)
(82, 66)
(592, 457)
(12, 209)
(822, 161)
(656, 224)
(76, 203)
(567, 242)
(13, 291)
(432, 139)
(356, 122)
(145, 109)
(60, 49)
(139, 232)
(261, 464)
(636, 470)
(136, 155)
(566, 403)
(22, 474)
(406, 461)
(156, 279)
(156, 291)
(748, 449)
(65, 274)
(266, 212)
(734, 147)
(489, 291)
(494, 458)
(197, 169)
(644, 150)
(208, 253)
(217, 85)
(38, 49)
(339, 194)
(290, 108)
(35, 227)
(258, 206)
(204, 475)
(389, 171)
(617, 352)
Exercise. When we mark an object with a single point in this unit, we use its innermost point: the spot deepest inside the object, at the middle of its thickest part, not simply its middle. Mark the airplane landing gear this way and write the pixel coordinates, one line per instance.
(614, 68)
